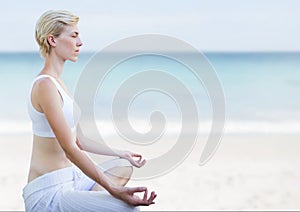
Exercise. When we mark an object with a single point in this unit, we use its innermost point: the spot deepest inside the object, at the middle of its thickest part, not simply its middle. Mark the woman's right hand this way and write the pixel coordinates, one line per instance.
(127, 194)
(132, 158)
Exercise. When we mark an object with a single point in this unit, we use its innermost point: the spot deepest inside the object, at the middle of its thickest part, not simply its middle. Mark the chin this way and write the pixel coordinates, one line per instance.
(73, 59)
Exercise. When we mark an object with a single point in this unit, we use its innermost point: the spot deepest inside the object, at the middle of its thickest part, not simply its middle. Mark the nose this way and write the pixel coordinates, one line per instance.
(79, 43)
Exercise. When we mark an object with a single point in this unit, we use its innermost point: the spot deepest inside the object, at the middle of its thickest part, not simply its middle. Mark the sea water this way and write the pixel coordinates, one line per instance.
(261, 90)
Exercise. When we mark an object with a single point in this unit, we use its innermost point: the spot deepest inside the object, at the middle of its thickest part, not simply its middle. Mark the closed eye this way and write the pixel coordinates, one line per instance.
(75, 34)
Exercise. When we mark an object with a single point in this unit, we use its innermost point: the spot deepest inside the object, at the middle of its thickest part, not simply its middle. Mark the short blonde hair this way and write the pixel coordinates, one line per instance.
(52, 22)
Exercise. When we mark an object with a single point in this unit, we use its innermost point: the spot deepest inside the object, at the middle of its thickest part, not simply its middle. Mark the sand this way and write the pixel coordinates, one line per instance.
(248, 172)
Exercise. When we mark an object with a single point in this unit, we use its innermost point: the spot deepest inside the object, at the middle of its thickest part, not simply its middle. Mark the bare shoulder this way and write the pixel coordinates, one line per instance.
(44, 85)
(46, 93)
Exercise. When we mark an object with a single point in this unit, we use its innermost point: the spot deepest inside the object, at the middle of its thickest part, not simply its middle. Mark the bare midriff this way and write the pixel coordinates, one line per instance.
(47, 156)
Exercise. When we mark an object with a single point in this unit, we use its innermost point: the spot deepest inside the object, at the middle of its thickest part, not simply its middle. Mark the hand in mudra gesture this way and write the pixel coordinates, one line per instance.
(127, 194)
(134, 158)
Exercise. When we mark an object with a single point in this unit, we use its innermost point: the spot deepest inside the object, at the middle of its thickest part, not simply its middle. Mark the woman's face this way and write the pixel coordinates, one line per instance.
(68, 43)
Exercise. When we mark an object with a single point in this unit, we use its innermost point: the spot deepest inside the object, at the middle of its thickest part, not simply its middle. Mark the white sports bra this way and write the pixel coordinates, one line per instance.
(40, 124)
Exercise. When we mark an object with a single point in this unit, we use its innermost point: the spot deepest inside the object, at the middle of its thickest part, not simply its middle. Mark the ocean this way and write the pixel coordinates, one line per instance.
(261, 90)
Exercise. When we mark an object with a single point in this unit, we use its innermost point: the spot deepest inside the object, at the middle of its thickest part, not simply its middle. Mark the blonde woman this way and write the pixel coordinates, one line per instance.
(61, 176)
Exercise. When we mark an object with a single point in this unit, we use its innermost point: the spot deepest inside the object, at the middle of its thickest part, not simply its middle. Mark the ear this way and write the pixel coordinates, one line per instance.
(51, 40)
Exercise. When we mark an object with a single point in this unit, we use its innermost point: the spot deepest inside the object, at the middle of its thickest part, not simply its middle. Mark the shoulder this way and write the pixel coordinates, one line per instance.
(45, 85)
(46, 92)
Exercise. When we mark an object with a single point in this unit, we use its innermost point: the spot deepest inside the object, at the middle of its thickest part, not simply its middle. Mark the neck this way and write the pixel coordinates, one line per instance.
(53, 66)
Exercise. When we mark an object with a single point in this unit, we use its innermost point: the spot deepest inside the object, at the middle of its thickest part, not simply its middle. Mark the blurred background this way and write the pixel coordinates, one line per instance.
(255, 50)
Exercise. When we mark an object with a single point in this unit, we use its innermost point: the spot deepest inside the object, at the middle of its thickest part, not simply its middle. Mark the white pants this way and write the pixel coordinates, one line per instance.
(69, 189)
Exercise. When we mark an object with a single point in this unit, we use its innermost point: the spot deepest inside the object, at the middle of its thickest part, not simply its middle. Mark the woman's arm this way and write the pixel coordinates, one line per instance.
(50, 103)
(92, 146)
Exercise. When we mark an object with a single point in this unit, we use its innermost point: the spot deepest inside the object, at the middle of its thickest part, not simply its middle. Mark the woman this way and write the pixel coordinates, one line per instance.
(61, 176)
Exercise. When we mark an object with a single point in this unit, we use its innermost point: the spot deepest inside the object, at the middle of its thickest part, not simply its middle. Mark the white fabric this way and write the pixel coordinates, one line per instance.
(40, 124)
(69, 189)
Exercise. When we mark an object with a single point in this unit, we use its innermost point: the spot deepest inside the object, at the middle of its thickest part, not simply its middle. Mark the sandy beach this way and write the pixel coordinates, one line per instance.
(248, 172)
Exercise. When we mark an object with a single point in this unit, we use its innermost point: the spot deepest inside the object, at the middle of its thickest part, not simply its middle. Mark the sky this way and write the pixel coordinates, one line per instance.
(208, 25)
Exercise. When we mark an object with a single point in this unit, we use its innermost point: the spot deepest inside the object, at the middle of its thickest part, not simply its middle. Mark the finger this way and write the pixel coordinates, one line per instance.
(139, 160)
(145, 195)
(152, 197)
(136, 155)
(138, 163)
(143, 202)
(137, 189)
(135, 163)
(150, 201)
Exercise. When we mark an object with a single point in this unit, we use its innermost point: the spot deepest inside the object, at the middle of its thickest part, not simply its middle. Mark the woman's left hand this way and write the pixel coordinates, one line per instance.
(134, 158)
